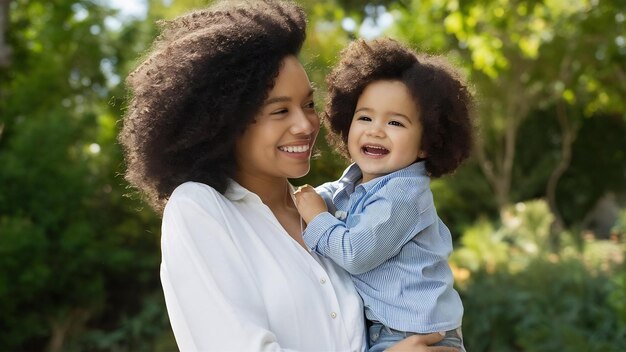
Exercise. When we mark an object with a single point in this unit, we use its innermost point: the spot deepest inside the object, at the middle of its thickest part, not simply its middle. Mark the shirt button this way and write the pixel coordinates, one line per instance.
(333, 315)
(322, 281)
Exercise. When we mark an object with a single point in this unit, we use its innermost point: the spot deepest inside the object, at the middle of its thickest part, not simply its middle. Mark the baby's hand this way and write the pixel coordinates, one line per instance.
(309, 203)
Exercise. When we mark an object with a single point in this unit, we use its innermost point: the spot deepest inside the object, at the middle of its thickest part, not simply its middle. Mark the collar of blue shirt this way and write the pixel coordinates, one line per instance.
(353, 174)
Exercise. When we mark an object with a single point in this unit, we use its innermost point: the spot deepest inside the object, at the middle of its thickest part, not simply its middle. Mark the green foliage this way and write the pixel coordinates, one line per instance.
(620, 225)
(79, 259)
(21, 236)
(617, 297)
(461, 198)
(133, 333)
(75, 255)
(519, 294)
(598, 166)
(523, 57)
(481, 248)
(547, 307)
(522, 236)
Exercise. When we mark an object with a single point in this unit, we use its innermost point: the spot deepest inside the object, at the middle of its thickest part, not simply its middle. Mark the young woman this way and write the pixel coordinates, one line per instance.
(221, 116)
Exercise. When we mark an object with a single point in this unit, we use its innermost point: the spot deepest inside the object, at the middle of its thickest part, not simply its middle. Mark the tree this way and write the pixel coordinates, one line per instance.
(5, 50)
(76, 261)
(523, 56)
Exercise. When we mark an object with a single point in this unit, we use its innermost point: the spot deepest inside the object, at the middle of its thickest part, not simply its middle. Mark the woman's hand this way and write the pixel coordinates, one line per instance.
(309, 203)
(420, 343)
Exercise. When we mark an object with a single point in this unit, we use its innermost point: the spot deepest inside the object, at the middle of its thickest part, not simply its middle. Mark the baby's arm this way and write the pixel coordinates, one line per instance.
(309, 203)
(389, 219)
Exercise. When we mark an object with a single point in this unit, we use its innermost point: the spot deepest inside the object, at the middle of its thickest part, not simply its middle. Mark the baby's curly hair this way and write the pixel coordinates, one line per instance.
(201, 84)
(442, 97)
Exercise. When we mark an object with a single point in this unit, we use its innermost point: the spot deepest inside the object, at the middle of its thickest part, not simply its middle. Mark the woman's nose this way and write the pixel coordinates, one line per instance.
(305, 123)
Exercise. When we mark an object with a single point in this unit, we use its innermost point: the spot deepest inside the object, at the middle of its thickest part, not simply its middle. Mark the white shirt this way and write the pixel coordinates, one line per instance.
(234, 280)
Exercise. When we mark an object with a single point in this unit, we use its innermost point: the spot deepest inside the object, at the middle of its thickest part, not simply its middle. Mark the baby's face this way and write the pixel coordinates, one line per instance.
(386, 133)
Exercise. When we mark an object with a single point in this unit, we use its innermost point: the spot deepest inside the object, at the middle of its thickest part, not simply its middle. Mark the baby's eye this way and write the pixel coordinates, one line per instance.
(363, 118)
(396, 123)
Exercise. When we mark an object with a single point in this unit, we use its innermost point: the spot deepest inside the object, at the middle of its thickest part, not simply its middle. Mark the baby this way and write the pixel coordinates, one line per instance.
(402, 118)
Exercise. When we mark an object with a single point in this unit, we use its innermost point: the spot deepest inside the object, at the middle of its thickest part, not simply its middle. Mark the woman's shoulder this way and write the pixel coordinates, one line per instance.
(197, 193)
(196, 203)
(191, 189)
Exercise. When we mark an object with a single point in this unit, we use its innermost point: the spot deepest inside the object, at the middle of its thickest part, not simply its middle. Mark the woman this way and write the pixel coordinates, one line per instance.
(222, 114)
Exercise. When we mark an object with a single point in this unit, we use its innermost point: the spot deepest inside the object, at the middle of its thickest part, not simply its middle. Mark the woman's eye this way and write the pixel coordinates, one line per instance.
(310, 105)
(279, 112)
(396, 123)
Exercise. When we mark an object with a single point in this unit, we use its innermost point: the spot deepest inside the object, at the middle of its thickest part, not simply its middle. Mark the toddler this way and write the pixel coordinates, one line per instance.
(402, 118)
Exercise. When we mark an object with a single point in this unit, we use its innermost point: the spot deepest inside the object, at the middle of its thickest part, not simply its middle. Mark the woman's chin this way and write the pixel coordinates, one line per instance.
(299, 172)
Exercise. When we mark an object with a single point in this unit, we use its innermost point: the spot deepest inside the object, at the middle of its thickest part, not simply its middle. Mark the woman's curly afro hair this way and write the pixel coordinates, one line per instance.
(442, 97)
(201, 84)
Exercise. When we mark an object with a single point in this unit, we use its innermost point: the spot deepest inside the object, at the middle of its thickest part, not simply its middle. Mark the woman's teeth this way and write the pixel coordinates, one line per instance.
(295, 149)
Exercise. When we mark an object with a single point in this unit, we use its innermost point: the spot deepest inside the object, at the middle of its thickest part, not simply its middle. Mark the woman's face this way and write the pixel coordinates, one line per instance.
(279, 141)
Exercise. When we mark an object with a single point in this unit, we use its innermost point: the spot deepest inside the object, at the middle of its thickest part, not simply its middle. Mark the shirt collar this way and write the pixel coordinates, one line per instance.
(353, 174)
(235, 191)
(350, 177)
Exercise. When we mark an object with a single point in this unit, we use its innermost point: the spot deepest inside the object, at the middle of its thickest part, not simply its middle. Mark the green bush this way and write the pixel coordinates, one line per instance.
(523, 235)
(549, 306)
(617, 297)
(620, 225)
(521, 295)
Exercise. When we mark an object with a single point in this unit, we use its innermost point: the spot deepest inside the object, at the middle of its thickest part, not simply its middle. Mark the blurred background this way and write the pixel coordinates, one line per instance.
(538, 214)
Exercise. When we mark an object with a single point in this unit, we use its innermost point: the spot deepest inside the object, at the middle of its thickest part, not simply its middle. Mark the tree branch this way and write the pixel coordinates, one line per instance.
(5, 49)
(568, 133)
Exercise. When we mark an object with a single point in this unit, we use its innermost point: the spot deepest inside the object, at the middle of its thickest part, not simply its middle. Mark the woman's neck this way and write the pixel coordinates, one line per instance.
(275, 192)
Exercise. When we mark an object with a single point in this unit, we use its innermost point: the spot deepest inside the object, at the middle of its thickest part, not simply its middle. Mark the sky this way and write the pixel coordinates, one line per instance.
(131, 8)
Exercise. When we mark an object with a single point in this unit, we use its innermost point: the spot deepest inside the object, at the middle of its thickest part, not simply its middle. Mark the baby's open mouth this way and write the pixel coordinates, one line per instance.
(374, 150)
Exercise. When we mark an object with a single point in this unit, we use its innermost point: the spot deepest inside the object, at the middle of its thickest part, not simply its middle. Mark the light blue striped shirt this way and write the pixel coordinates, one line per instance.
(387, 234)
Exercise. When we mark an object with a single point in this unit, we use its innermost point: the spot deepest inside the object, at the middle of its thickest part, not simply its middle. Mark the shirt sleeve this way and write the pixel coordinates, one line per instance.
(389, 219)
(211, 298)
(326, 191)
